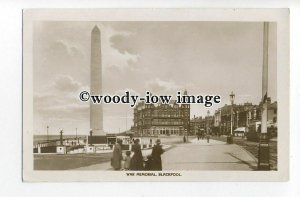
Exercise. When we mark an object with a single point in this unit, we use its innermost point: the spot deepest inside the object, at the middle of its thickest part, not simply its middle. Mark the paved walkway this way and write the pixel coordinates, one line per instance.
(199, 155)
(215, 155)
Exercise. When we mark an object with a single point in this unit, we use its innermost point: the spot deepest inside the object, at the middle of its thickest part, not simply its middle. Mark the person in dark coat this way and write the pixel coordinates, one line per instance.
(117, 155)
(148, 163)
(207, 137)
(137, 158)
(157, 151)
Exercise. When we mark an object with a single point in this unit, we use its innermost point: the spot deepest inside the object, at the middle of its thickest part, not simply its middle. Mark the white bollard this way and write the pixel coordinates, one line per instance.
(61, 150)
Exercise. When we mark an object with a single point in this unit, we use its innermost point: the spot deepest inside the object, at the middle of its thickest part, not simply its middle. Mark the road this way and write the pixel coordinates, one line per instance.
(215, 155)
(200, 155)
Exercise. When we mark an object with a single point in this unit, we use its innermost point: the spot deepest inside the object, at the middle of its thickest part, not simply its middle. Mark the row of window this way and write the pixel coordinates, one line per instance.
(166, 106)
(163, 114)
(162, 131)
(167, 122)
(160, 122)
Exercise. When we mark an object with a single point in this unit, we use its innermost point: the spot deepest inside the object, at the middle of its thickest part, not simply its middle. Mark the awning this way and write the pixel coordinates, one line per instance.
(240, 129)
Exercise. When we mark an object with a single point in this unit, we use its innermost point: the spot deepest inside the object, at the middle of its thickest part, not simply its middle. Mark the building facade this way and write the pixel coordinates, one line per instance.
(202, 124)
(243, 115)
(161, 119)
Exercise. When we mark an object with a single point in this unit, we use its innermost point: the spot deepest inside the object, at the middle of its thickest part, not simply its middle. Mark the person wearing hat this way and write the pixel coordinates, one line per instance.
(117, 155)
(137, 158)
(157, 151)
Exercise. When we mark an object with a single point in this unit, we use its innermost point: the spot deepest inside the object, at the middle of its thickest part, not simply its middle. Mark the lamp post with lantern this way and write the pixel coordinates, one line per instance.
(229, 137)
(47, 135)
(91, 137)
(207, 123)
(61, 137)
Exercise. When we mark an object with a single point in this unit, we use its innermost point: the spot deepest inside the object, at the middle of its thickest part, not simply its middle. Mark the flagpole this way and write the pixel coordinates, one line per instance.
(263, 149)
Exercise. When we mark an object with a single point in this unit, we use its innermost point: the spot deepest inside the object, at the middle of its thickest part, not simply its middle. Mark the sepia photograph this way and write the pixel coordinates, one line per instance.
(154, 97)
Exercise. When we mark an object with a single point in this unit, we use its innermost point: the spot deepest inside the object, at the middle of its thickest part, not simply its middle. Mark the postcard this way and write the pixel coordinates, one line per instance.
(155, 95)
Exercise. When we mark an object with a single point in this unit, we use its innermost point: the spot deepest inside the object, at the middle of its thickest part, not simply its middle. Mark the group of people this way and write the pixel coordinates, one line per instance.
(136, 161)
(202, 136)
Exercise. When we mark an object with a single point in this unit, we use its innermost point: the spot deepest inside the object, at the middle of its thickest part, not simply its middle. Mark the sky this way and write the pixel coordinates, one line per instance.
(161, 57)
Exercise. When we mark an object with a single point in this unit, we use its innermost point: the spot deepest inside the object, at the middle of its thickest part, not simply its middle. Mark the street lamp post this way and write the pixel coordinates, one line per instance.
(230, 138)
(207, 123)
(91, 136)
(76, 133)
(237, 119)
(220, 123)
(61, 137)
(47, 134)
(247, 121)
(77, 138)
(187, 135)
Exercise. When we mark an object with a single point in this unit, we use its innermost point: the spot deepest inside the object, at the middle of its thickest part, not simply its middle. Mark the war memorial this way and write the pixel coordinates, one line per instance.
(169, 121)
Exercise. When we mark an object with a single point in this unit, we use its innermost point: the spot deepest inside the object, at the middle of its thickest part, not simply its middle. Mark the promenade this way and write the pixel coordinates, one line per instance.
(199, 155)
(215, 155)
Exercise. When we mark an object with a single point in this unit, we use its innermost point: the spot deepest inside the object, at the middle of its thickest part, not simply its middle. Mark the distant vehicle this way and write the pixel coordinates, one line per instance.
(240, 131)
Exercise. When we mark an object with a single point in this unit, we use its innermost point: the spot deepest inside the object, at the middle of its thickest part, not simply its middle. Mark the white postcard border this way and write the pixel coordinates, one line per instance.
(281, 16)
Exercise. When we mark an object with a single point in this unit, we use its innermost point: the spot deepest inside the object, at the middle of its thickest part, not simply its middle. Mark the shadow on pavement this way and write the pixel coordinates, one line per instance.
(242, 161)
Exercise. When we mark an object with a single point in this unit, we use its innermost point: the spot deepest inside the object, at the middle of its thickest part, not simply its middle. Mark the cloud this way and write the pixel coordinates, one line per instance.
(117, 56)
(160, 86)
(64, 48)
(66, 83)
(119, 42)
(242, 98)
(131, 91)
(67, 111)
(60, 100)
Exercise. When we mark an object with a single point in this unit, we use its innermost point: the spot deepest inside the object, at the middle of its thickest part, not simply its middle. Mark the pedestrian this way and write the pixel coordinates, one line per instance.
(198, 135)
(184, 139)
(137, 158)
(157, 151)
(117, 155)
(207, 138)
(148, 163)
(127, 160)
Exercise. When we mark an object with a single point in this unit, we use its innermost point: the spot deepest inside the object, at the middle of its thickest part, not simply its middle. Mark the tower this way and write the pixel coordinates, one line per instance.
(96, 111)
(186, 114)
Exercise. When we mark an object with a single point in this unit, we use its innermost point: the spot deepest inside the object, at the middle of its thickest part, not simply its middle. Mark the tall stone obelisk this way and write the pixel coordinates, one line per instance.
(96, 111)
